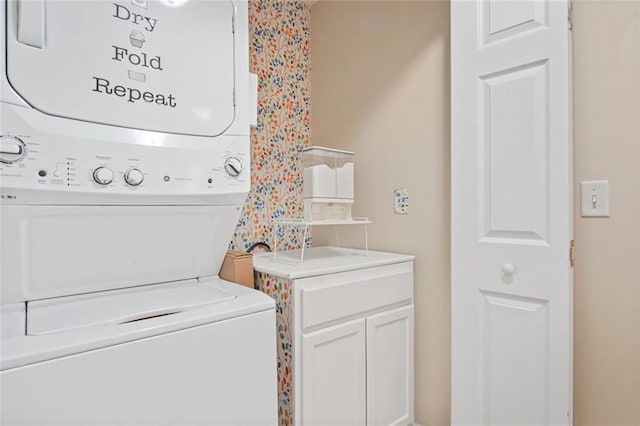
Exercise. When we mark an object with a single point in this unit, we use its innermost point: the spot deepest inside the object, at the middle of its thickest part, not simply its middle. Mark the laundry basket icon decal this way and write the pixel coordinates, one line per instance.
(137, 38)
(137, 76)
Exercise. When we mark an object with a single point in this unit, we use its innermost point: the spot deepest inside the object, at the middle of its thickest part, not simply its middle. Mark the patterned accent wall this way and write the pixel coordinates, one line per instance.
(280, 56)
(281, 290)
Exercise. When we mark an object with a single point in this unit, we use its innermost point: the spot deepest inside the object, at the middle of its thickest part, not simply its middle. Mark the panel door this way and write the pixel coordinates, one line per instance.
(511, 213)
(390, 368)
(333, 375)
(156, 65)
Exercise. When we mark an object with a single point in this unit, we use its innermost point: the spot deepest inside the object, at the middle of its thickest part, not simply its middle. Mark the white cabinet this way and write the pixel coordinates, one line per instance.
(345, 327)
(366, 363)
(390, 367)
(333, 375)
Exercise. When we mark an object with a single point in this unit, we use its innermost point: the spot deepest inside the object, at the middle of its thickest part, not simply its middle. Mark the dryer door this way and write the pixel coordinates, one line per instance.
(160, 65)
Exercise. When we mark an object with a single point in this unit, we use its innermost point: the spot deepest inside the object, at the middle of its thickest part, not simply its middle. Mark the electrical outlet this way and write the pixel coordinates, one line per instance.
(401, 201)
(594, 198)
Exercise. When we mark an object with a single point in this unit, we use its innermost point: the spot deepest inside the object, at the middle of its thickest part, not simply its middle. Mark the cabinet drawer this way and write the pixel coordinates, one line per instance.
(332, 297)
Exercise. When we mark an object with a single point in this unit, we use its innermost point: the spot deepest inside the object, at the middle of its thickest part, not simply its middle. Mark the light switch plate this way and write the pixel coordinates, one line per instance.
(594, 196)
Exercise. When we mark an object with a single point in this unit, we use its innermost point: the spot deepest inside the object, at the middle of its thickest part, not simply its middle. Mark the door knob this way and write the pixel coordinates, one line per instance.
(508, 269)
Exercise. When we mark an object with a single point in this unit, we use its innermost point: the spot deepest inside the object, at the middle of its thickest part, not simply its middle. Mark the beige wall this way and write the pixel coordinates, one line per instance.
(380, 87)
(607, 274)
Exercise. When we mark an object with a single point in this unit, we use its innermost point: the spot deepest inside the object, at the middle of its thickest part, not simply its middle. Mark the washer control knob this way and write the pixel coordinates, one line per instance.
(133, 177)
(233, 166)
(103, 175)
(12, 149)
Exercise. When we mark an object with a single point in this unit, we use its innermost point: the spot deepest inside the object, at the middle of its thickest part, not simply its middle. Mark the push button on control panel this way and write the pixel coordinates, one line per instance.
(12, 149)
(103, 175)
(133, 177)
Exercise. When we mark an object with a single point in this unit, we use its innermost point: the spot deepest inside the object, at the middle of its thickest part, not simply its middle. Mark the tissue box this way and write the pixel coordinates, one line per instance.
(238, 268)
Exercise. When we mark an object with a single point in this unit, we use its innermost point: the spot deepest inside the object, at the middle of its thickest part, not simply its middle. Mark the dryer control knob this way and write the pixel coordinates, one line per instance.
(133, 177)
(12, 149)
(233, 166)
(103, 175)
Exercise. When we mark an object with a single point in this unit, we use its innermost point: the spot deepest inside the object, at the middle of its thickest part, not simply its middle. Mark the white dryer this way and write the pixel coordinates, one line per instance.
(124, 165)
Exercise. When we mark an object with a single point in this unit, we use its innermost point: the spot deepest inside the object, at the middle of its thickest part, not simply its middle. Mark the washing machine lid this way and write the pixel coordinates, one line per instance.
(112, 308)
(75, 324)
(160, 65)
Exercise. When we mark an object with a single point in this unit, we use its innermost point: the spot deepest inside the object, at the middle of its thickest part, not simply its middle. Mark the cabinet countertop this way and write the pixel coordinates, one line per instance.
(322, 261)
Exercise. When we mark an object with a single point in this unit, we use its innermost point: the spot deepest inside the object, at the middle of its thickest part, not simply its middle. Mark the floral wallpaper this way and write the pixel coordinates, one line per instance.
(280, 56)
(281, 290)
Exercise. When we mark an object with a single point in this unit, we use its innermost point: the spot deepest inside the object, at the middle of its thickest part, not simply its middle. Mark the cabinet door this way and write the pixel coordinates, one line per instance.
(390, 367)
(333, 375)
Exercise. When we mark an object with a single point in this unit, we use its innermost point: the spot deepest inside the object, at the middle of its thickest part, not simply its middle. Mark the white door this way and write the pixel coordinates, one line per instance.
(333, 375)
(390, 368)
(511, 213)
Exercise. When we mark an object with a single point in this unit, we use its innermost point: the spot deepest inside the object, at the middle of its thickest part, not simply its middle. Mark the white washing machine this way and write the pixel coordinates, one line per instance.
(124, 164)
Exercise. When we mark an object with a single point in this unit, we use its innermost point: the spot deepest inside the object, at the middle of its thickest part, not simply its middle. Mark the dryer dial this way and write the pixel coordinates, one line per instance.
(233, 166)
(103, 175)
(12, 150)
(133, 177)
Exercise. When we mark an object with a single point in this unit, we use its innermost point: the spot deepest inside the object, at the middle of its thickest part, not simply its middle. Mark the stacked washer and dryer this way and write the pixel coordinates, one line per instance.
(124, 165)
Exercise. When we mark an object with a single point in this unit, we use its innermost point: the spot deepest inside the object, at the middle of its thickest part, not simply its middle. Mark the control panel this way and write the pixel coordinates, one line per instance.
(33, 162)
